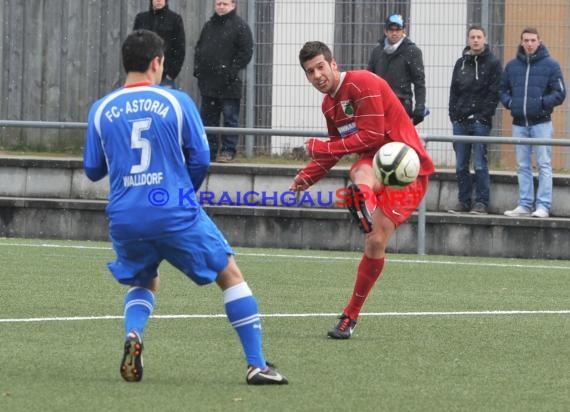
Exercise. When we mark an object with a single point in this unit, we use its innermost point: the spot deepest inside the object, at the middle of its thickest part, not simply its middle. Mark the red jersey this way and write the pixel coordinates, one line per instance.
(363, 115)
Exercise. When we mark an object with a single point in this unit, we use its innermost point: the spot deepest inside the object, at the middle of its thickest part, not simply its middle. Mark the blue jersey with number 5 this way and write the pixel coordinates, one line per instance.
(151, 142)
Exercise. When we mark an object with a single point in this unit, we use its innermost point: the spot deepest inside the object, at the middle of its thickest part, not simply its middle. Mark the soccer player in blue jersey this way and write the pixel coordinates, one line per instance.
(151, 142)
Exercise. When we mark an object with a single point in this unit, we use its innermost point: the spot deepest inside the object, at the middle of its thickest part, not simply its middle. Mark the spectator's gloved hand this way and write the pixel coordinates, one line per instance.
(418, 115)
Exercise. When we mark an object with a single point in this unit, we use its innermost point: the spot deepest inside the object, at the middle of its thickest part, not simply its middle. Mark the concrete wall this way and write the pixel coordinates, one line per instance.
(51, 198)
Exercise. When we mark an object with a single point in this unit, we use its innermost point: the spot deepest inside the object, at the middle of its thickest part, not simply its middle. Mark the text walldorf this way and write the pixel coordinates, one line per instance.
(142, 179)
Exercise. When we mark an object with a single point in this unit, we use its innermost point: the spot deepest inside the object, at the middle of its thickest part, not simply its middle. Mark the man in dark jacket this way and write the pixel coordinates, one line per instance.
(399, 61)
(168, 25)
(224, 48)
(531, 86)
(473, 98)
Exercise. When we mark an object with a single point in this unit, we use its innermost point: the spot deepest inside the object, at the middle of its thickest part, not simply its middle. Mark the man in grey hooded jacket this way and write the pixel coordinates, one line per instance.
(399, 61)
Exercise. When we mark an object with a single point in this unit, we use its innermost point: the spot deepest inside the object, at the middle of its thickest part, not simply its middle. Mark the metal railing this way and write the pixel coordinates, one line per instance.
(250, 132)
(247, 131)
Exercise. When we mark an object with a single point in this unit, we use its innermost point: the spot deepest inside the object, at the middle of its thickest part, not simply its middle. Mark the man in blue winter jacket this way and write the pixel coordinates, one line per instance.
(531, 86)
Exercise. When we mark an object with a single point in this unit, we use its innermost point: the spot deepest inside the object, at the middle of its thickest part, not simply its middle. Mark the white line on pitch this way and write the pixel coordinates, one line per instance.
(301, 315)
(356, 258)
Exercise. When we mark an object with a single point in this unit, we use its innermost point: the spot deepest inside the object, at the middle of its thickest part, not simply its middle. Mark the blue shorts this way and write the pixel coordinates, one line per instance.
(200, 252)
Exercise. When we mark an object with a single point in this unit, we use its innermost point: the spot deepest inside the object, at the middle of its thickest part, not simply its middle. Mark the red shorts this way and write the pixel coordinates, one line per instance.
(399, 204)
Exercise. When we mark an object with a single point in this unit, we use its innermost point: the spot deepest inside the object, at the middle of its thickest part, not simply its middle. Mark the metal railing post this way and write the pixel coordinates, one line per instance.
(422, 209)
(422, 227)
(250, 84)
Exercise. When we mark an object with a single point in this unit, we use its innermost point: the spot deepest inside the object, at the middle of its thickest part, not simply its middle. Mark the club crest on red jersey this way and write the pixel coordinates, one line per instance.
(347, 108)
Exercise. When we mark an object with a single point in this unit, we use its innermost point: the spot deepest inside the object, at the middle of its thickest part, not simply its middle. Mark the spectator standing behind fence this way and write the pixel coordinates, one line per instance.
(531, 86)
(399, 61)
(224, 48)
(170, 27)
(473, 98)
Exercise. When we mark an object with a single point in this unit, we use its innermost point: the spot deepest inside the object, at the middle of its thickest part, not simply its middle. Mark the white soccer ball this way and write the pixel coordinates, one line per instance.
(396, 165)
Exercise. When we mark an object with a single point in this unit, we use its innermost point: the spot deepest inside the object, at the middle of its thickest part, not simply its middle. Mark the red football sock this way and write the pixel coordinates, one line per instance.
(370, 198)
(368, 272)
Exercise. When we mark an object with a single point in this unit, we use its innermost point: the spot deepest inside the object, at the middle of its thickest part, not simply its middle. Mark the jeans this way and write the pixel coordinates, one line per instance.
(480, 163)
(543, 162)
(211, 110)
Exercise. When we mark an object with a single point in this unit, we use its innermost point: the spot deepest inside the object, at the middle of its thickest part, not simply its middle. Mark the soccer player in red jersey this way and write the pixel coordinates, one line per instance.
(362, 114)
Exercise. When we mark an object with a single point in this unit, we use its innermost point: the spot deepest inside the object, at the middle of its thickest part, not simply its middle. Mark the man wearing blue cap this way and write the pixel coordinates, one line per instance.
(399, 61)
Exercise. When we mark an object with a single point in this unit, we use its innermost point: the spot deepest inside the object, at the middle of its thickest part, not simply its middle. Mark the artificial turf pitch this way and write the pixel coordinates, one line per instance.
(437, 334)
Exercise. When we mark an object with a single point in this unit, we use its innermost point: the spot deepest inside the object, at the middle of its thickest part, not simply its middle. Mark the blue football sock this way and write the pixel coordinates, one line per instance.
(139, 303)
(243, 314)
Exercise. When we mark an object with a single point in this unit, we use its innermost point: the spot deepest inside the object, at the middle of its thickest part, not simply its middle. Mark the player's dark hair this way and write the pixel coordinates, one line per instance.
(312, 49)
(139, 48)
